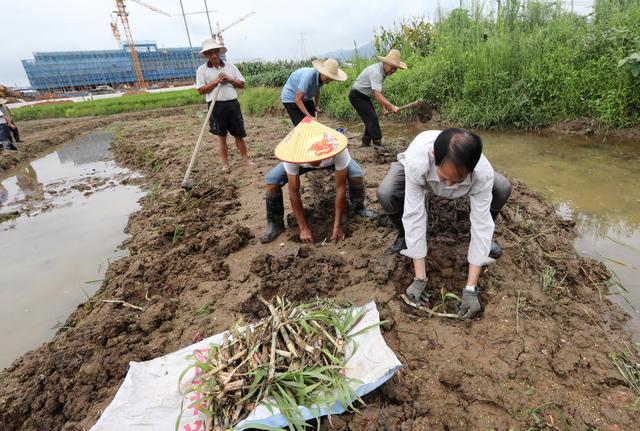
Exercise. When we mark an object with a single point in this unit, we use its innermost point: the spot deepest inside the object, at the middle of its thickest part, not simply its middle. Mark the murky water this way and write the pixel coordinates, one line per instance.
(593, 182)
(73, 208)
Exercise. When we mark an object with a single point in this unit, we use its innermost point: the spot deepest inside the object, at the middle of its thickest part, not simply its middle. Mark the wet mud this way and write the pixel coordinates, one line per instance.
(537, 357)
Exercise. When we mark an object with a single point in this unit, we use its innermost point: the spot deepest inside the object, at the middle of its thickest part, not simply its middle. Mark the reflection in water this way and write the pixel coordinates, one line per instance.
(87, 149)
(4, 194)
(48, 257)
(27, 181)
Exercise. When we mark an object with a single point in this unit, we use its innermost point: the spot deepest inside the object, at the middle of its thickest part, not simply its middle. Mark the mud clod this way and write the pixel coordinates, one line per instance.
(195, 268)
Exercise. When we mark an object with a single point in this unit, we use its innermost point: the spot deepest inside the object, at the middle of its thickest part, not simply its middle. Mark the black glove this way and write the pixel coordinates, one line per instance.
(470, 305)
(416, 292)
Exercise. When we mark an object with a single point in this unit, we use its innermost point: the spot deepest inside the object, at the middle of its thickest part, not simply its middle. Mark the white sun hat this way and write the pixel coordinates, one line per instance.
(209, 44)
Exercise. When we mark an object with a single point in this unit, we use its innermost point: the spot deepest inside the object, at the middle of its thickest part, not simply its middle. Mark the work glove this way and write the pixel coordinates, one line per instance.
(470, 305)
(416, 292)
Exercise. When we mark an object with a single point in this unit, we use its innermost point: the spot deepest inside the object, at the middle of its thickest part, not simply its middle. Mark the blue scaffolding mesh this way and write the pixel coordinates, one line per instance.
(72, 70)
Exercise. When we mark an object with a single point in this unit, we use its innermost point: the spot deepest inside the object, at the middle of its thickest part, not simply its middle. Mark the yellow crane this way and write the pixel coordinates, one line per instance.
(122, 13)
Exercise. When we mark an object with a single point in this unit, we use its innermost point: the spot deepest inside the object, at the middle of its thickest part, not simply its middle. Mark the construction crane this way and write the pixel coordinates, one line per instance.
(124, 17)
(122, 13)
(115, 31)
(153, 8)
(218, 35)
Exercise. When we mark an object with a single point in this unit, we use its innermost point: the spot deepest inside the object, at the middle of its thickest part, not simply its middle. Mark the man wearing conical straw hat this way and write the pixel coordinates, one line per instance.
(369, 84)
(301, 93)
(312, 146)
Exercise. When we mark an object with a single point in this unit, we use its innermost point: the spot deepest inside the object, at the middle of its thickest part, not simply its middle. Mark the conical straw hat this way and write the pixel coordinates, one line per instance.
(393, 58)
(310, 142)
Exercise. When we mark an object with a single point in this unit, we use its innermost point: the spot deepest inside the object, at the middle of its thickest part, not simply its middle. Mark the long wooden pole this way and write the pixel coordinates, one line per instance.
(214, 96)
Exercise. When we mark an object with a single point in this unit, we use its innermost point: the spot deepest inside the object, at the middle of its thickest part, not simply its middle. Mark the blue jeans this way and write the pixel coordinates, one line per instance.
(278, 175)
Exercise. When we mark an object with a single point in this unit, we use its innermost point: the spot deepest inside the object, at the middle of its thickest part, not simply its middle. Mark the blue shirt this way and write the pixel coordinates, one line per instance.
(306, 79)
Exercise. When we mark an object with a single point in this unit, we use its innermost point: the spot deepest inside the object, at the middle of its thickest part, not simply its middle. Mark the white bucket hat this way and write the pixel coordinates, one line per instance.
(393, 58)
(330, 68)
(209, 44)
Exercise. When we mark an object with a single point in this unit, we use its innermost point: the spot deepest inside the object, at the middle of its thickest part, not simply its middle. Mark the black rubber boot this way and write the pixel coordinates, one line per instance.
(377, 145)
(356, 196)
(399, 244)
(16, 134)
(275, 216)
(366, 141)
(7, 145)
(495, 251)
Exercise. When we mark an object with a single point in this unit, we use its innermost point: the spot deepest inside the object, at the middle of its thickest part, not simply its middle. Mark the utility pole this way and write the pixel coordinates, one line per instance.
(303, 50)
(206, 8)
(193, 62)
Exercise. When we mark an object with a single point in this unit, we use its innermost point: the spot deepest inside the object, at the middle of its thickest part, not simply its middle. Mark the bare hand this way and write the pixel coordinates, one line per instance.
(318, 110)
(224, 77)
(305, 235)
(338, 235)
(395, 109)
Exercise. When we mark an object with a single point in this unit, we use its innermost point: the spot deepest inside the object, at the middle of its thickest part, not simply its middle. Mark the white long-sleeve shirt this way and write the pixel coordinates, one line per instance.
(421, 177)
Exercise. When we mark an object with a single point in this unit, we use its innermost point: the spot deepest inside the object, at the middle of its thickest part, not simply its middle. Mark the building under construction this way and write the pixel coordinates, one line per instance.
(84, 70)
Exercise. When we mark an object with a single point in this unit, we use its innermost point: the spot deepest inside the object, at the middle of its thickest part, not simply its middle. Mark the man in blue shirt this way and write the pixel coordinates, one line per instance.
(301, 93)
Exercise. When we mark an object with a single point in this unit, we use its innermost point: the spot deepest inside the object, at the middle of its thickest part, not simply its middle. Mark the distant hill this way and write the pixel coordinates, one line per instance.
(364, 51)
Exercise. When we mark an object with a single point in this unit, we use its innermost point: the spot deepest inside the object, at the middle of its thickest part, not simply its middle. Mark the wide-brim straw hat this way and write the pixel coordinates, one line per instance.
(393, 58)
(330, 68)
(310, 141)
(209, 44)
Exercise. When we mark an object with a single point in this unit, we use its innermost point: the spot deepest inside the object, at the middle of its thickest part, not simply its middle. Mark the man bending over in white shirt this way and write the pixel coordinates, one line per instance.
(448, 164)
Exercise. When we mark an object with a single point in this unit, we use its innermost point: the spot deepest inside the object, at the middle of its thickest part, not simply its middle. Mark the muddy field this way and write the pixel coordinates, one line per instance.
(537, 358)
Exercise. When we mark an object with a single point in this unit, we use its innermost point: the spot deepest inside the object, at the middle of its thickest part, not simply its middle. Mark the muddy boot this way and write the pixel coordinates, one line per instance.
(377, 145)
(275, 216)
(495, 251)
(366, 141)
(8, 145)
(399, 244)
(356, 196)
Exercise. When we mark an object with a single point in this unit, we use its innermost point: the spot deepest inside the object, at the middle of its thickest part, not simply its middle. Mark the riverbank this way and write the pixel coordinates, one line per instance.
(537, 357)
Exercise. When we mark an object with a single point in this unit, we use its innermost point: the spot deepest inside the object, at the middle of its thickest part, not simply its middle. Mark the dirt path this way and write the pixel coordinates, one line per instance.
(537, 358)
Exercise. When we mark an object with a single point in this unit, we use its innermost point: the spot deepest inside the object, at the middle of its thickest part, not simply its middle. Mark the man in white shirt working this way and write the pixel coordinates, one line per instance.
(449, 164)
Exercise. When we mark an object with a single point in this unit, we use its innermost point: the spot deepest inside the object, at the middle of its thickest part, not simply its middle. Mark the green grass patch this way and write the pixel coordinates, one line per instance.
(261, 101)
(115, 105)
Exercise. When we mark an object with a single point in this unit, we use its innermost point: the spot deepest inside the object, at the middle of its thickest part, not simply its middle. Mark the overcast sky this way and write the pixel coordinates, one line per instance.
(272, 33)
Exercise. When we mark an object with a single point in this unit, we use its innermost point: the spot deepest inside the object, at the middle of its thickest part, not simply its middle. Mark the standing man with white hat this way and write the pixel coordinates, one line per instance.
(369, 84)
(301, 93)
(226, 116)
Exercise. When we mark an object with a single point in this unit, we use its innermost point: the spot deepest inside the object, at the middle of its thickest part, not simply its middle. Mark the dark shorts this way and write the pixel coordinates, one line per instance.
(227, 118)
(296, 114)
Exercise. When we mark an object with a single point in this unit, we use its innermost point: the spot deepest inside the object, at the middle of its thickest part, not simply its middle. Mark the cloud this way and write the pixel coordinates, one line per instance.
(274, 32)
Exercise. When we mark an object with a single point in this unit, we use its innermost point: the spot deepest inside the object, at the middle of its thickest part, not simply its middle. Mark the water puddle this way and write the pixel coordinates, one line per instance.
(589, 181)
(64, 218)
